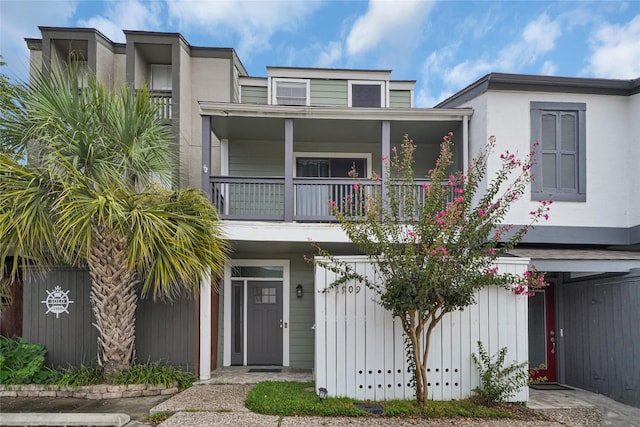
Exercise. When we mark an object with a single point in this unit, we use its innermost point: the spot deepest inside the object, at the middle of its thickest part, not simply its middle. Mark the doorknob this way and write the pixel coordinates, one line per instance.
(553, 345)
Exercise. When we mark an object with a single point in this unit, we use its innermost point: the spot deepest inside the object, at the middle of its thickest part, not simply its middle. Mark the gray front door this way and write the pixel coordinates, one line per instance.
(264, 322)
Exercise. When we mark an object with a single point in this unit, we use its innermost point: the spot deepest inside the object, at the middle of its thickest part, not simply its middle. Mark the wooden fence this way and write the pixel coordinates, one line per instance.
(360, 351)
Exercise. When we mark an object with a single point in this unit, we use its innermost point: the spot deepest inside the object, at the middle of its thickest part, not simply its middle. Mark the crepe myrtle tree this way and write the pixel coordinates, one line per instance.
(434, 244)
(97, 192)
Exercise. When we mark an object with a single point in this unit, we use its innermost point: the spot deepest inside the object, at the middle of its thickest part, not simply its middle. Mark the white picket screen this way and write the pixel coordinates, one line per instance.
(360, 350)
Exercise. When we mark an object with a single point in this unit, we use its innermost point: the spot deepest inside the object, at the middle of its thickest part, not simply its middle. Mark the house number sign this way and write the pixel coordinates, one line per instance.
(57, 301)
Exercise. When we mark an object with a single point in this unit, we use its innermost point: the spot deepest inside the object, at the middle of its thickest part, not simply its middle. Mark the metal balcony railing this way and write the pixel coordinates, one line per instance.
(265, 199)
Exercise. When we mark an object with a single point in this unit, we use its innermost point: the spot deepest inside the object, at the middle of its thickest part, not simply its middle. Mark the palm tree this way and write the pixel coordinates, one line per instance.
(96, 193)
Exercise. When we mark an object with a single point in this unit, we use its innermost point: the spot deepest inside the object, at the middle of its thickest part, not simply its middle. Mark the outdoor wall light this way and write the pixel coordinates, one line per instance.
(322, 393)
(299, 291)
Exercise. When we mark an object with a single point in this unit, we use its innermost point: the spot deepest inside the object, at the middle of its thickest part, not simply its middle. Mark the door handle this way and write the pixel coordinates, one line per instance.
(553, 345)
(280, 323)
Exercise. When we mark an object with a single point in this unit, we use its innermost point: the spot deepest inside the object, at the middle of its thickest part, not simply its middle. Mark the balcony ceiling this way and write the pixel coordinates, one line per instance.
(323, 130)
(154, 53)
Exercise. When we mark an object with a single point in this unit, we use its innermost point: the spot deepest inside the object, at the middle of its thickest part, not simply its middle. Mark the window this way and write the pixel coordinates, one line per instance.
(366, 94)
(330, 168)
(161, 78)
(560, 162)
(290, 92)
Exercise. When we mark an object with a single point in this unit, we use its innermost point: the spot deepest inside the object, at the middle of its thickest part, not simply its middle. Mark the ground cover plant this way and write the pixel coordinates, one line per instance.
(300, 399)
(22, 362)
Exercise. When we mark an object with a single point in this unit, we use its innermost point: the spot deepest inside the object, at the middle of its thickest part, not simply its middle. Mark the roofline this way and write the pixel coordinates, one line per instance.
(535, 83)
(272, 67)
(208, 108)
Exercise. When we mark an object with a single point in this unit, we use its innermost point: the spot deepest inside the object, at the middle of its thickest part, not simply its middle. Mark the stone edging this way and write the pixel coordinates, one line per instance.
(94, 392)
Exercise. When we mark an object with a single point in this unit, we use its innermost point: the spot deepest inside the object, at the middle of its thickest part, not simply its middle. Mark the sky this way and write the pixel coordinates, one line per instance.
(444, 45)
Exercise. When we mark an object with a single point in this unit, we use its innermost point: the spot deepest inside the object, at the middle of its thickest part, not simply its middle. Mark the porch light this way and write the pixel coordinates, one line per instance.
(299, 291)
(322, 393)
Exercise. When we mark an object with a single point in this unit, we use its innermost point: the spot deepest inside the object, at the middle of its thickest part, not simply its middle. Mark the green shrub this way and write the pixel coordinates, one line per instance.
(152, 373)
(22, 362)
(498, 383)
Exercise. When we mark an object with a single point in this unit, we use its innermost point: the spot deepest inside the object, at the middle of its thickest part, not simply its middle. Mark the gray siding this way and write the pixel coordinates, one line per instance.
(400, 98)
(256, 158)
(69, 339)
(254, 95)
(329, 93)
(164, 331)
(600, 321)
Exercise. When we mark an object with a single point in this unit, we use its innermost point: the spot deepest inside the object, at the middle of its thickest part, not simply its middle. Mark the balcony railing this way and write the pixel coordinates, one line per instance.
(163, 101)
(265, 198)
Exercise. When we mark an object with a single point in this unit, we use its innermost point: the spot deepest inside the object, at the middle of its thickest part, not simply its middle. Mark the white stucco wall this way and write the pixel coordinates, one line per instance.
(611, 156)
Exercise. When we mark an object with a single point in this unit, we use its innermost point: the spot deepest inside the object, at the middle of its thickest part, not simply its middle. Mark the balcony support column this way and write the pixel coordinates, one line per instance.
(206, 156)
(288, 170)
(465, 144)
(386, 150)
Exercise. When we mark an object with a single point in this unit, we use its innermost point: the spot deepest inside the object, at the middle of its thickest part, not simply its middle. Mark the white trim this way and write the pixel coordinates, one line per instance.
(274, 85)
(384, 91)
(328, 73)
(321, 155)
(205, 327)
(253, 81)
(284, 263)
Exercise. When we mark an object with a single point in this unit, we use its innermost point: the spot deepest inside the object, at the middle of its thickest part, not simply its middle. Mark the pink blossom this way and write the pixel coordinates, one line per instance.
(355, 186)
(481, 213)
(458, 190)
(434, 253)
(459, 200)
(410, 233)
(394, 149)
(385, 158)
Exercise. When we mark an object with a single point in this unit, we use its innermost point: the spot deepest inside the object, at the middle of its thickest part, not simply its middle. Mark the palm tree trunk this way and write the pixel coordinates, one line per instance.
(113, 300)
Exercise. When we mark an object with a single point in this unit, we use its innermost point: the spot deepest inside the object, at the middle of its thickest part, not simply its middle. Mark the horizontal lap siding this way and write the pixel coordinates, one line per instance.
(360, 346)
(400, 98)
(256, 158)
(601, 336)
(329, 93)
(254, 95)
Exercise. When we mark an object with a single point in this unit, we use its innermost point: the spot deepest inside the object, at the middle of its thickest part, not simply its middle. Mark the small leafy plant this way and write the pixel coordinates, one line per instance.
(22, 362)
(498, 383)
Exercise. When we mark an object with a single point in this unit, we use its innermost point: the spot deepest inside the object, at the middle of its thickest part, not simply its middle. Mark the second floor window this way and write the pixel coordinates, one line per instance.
(161, 78)
(289, 92)
(559, 171)
(366, 94)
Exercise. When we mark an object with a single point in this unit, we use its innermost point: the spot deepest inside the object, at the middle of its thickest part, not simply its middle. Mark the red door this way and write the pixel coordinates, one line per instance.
(542, 336)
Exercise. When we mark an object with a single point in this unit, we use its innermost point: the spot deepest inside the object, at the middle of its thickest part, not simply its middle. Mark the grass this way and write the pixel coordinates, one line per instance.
(291, 399)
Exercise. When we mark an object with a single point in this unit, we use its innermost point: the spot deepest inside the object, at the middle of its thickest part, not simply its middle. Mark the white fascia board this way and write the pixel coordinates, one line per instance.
(253, 81)
(402, 85)
(324, 73)
(283, 232)
(226, 109)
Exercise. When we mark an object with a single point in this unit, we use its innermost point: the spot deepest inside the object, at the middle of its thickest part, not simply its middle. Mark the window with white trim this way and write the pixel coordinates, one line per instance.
(559, 131)
(290, 92)
(366, 94)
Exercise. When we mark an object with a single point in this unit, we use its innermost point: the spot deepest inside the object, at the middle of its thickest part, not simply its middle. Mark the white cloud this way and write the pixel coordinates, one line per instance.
(125, 15)
(548, 68)
(20, 19)
(616, 51)
(392, 22)
(328, 54)
(254, 22)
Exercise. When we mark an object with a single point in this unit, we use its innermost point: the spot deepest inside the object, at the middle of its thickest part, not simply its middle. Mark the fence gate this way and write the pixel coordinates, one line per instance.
(359, 348)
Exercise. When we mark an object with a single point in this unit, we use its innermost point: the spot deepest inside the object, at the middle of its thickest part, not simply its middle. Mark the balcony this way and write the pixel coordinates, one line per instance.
(266, 198)
(163, 101)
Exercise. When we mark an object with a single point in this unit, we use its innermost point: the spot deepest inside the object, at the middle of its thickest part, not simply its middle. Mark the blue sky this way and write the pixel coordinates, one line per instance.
(444, 45)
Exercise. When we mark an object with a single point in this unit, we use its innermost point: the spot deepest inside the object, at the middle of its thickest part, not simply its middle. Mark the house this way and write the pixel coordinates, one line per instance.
(272, 151)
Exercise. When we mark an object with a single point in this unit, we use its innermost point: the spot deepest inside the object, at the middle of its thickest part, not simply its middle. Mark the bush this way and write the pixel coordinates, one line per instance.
(498, 383)
(22, 362)
(152, 373)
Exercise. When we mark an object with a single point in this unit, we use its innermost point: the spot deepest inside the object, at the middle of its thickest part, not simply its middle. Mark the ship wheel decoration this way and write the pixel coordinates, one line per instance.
(57, 301)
